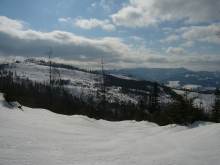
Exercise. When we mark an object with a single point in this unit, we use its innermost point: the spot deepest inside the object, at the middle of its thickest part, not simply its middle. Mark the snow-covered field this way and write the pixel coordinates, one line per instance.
(40, 137)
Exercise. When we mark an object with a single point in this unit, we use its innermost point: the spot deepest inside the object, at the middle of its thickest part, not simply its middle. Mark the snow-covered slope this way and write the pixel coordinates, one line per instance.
(80, 83)
(205, 100)
(37, 136)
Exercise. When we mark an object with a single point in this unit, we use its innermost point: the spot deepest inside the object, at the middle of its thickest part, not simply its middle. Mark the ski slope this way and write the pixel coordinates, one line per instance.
(37, 136)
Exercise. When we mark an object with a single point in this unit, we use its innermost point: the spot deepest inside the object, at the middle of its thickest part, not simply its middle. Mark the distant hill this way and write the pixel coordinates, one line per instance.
(127, 85)
(86, 83)
(164, 75)
(101, 96)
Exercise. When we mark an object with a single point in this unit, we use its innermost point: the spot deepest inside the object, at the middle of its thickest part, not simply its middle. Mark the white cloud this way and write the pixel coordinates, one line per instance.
(170, 39)
(93, 4)
(65, 20)
(106, 5)
(6, 23)
(134, 15)
(137, 40)
(15, 39)
(190, 35)
(207, 33)
(188, 44)
(94, 23)
(30, 43)
(175, 50)
(18, 40)
(141, 13)
(88, 23)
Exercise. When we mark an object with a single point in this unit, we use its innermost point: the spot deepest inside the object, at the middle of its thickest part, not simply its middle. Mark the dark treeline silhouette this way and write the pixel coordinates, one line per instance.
(216, 107)
(57, 65)
(57, 99)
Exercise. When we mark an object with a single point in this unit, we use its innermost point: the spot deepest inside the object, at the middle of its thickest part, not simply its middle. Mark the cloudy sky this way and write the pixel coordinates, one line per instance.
(126, 33)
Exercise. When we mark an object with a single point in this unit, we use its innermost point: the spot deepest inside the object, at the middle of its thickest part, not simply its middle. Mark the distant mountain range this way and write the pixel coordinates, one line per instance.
(166, 75)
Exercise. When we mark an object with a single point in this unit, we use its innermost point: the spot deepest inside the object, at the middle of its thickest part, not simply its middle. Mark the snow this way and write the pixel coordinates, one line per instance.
(40, 73)
(204, 100)
(192, 86)
(123, 77)
(173, 84)
(37, 136)
(81, 83)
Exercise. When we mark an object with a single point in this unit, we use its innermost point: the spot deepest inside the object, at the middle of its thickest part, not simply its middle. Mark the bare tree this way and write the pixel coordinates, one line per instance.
(103, 85)
(49, 53)
(54, 73)
(101, 91)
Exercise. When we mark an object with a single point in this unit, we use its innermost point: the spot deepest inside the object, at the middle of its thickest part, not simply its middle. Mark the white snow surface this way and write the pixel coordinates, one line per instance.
(173, 84)
(37, 136)
(204, 100)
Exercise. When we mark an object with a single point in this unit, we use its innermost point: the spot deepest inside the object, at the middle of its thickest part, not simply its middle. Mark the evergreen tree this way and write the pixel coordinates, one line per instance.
(154, 98)
(216, 107)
